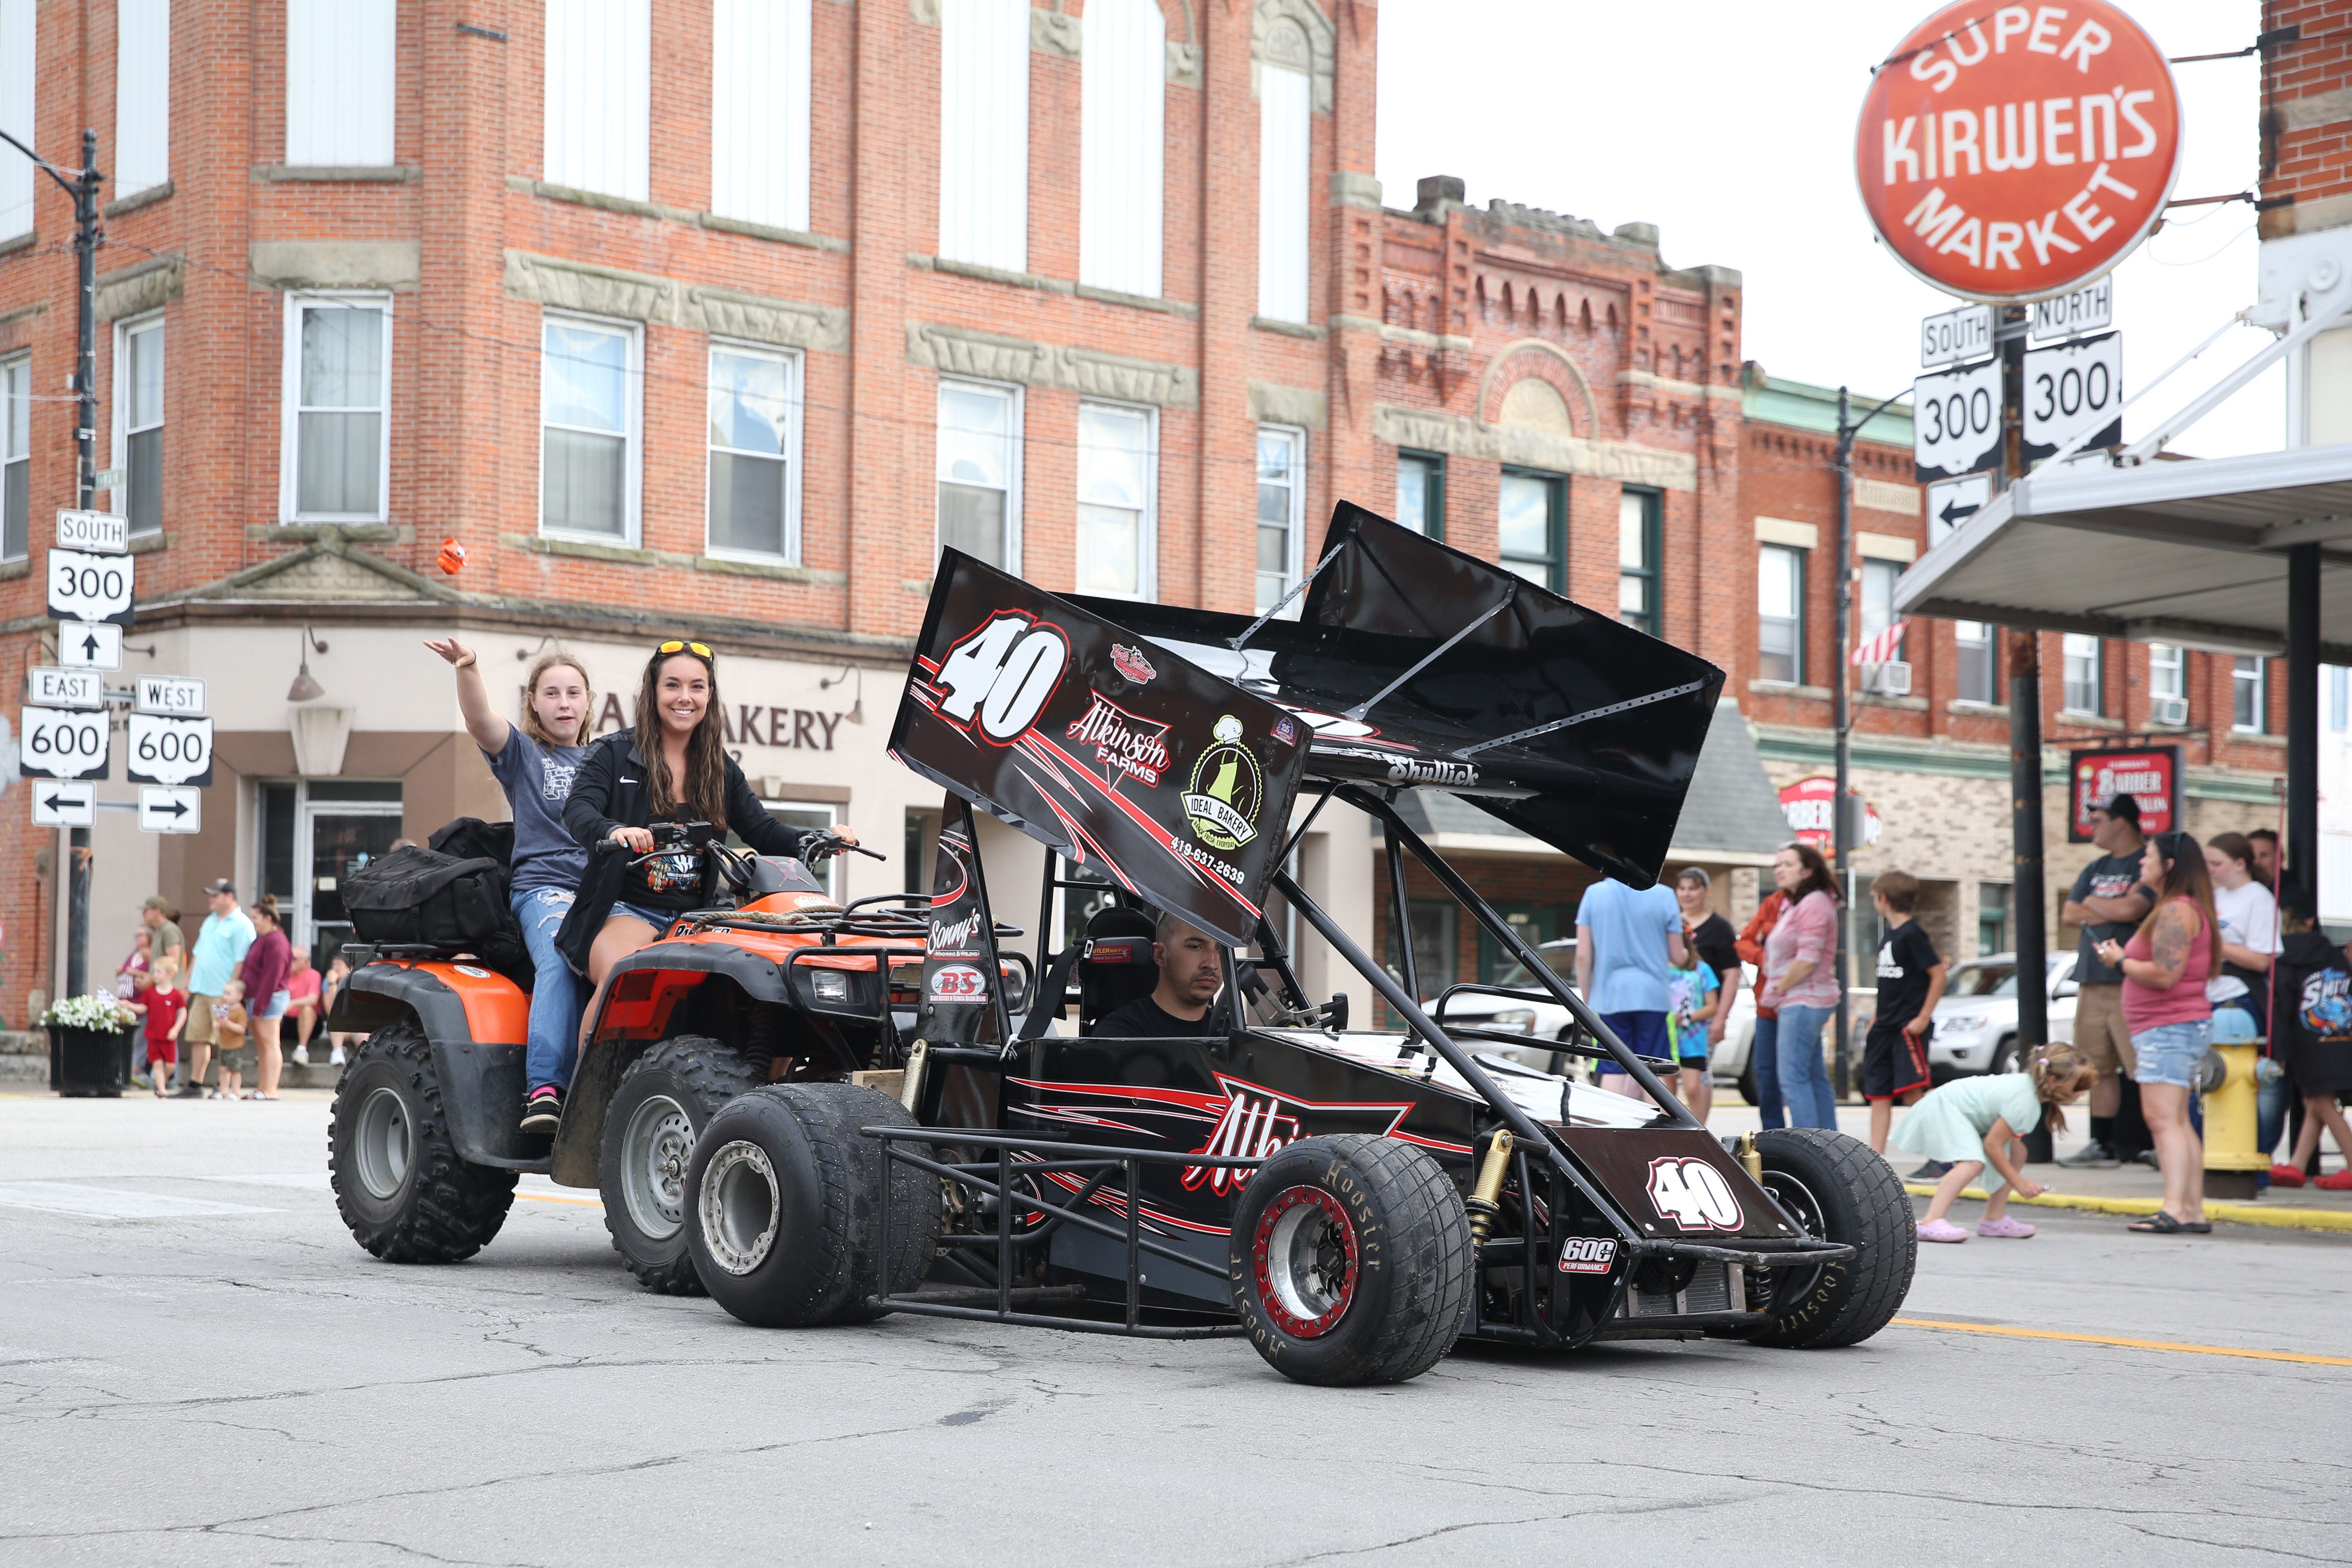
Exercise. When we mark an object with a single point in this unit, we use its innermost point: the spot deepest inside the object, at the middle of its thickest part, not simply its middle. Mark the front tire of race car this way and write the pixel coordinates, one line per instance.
(1838, 1191)
(785, 1216)
(1351, 1260)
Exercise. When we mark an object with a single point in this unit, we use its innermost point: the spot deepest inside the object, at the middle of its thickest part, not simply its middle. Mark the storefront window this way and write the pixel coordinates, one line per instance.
(1979, 678)
(2082, 685)
(1992, 918)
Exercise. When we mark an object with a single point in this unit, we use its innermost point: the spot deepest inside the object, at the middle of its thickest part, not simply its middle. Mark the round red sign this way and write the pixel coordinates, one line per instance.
(2016, 151)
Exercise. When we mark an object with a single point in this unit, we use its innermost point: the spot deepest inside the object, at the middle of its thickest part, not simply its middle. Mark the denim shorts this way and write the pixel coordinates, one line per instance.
(660, 919)
(276, 1006)
(2169, 1053)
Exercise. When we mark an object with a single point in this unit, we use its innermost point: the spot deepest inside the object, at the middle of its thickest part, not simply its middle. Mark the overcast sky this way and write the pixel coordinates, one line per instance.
(1730, 124)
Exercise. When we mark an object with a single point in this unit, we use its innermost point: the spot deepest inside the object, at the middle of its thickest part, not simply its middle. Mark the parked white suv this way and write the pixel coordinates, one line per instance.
(1975, 1023)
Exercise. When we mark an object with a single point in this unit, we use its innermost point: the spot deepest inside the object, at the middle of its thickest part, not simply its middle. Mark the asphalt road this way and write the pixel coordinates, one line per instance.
(198, 1367)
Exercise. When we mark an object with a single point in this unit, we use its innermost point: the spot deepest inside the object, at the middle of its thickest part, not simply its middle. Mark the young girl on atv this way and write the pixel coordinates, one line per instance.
(535, 763)
(672, 767)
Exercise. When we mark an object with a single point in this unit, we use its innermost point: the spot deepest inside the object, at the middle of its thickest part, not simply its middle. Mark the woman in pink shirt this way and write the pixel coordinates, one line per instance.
(2164, 967)
(1801, 981)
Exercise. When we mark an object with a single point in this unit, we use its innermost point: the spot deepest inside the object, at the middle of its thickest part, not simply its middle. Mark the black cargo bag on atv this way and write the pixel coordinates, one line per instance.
(419, 896)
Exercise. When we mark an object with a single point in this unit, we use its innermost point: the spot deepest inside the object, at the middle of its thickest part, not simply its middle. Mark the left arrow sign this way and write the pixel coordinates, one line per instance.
(64, 804)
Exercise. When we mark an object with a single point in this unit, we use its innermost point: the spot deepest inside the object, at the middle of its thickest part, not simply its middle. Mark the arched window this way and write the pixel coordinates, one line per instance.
(1286, 108)
(984, 132)
(1122, 147)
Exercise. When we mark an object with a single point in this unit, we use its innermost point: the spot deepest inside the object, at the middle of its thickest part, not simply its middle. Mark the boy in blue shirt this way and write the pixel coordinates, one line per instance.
(1696, 993)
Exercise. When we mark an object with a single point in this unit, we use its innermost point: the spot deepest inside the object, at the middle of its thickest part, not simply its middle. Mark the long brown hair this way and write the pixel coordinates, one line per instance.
(2060, 1072)
(705, 794)
(1818, 876)
(558, 659)
(2185, 877)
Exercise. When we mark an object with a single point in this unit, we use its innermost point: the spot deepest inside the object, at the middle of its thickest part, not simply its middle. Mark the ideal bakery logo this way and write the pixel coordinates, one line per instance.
(1227, 790)
(1122, 743)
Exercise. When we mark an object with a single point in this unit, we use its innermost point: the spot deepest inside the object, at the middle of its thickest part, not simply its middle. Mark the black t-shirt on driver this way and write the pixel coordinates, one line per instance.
(673, 882)
(1904, 959)
(1145, 1019)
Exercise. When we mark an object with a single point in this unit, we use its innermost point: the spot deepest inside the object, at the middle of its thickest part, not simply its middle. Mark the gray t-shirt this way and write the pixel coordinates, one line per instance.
(537, 779)
(2108, 877)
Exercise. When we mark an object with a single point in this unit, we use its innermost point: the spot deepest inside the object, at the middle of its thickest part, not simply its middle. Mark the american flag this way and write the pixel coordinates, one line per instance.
(1882, 647)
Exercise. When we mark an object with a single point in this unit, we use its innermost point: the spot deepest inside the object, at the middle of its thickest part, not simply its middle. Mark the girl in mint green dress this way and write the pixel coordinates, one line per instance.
(1978, 1121)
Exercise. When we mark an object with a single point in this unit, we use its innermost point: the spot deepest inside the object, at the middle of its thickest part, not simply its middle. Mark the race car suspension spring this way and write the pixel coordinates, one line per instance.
(1482, 1201)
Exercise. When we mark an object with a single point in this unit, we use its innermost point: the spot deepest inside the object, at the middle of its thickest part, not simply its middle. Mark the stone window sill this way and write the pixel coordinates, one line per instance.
(1877, 700)
(312, 533)
(1788, 688)
(22, 242)
(1289, 329)
(989, 274)
(2088, 721)
(12, 570)
(1139, 302)
(138, 199)
(339, 174)
(148, 543)
(1962, 707)
(2256, 738)
(674, 214)
(775, 571)
(631, 555)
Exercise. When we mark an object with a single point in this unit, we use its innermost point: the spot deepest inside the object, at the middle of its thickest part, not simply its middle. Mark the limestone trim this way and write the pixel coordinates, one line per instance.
(1651, 380)
(1886, 547)
(138, 199)
(759, 319)
(1494, 384)
(591, 290)
(1273, 43)
(1055, 32)
(1429, 431)
(991, 356)
(1407, 337)
(1304, 406)
(1780, 530)
(1351, 189)
(1883, 495)
(395, 264)
(136, 289)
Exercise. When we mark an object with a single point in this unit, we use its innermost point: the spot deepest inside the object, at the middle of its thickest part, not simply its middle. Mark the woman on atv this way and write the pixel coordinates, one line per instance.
(673, 766)
(535, 763)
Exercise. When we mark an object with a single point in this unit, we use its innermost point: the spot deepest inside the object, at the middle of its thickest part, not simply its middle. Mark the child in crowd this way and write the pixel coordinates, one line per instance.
(165, 1007)
(1982, 1120)
(1910, 983)
(1693, 995)
(229, 1019)
(2315, 1027)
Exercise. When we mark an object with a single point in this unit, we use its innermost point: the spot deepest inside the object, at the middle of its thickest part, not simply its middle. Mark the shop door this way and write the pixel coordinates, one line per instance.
(341, 839)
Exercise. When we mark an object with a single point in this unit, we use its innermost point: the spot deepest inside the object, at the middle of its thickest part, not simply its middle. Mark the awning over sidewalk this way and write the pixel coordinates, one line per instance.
(1730, 817)
(2191, 551)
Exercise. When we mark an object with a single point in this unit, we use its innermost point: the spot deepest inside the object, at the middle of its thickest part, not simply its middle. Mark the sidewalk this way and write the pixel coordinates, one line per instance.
(2128, 1190)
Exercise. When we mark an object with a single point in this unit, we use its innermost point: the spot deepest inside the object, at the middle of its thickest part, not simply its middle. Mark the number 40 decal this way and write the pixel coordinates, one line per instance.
(1693, 1194)
(1003, 673)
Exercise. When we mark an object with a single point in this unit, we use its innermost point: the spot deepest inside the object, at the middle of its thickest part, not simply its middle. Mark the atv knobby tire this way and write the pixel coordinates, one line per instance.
(1838, 1191)
(398, 1181)
(1351, 1260)
(784, 1221)
(664, 1098)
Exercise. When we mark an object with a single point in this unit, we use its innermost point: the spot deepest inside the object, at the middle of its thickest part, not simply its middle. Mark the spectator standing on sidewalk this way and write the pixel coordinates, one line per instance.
(1625, 942)
(1801, 982)
(1910, 983)
(264, 973)
(2109, 903)
(163, 1006)
(2315, 1026)
(222, 943)
(2165, 967)
(2264, 843)
(1710, 937)
(1763, 1045)
(164, 939)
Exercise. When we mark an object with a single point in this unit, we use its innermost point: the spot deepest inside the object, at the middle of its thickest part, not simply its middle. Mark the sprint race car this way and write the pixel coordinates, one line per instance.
(821, 1114)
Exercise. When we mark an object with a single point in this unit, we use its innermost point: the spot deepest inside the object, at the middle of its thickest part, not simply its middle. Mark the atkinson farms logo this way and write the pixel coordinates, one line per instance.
(1256, 1121)
(1122, 743)
(1132, 664)
(1227, 790)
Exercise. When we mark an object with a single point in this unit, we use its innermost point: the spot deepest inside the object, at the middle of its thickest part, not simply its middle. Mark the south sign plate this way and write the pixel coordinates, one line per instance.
(173, 696)
(47, 687)
(2018, 152)
(170, 751)
(1956, 421)
(64, 743)
(1955, 335)
(99, 533)
(85, 587)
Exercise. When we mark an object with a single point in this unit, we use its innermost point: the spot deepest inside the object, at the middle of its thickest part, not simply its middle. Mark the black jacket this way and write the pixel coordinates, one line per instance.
(609, 792)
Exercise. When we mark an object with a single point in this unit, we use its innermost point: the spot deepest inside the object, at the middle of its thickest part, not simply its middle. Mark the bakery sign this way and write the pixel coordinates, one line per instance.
(2010, 153)
(2149, 774)
(755, 724)
(1808, 803)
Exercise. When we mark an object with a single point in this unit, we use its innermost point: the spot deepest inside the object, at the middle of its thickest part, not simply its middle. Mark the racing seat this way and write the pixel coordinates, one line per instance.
(1119, 965)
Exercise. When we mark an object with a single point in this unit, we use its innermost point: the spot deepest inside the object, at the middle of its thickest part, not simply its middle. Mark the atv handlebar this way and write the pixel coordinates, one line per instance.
(817, 845)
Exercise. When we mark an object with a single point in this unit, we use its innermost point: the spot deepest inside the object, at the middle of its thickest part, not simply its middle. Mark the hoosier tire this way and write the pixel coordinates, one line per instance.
(1838, 1191)
(1351, 1260)
(785, 1226)
(663, 1101)
(398, 1181)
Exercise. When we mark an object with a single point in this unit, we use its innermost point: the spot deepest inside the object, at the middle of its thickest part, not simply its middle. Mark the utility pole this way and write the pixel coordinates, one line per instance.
(2029, 890)
(83, 188)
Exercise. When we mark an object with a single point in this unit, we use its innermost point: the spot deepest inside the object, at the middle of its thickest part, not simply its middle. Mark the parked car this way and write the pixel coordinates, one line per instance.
(1975, 1023)
(1534, 1015)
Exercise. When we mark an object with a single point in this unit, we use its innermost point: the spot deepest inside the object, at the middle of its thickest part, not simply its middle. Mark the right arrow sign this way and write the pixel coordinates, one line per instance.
(166, 810)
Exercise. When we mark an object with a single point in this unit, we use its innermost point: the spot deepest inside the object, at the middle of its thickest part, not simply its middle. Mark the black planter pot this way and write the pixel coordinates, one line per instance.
(88, 1063)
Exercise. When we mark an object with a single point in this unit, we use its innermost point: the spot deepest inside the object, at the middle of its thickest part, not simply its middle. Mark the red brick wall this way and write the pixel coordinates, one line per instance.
(2306, 159)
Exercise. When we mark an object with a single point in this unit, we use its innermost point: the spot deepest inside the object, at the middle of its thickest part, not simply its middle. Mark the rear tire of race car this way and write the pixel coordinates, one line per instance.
(1838, 1191)
(398, 1181)
(664, 1100)
(785, 1218)
(1351, 1260)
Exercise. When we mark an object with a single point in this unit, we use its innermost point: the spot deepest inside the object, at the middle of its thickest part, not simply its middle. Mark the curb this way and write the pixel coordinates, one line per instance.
(2238, 1214)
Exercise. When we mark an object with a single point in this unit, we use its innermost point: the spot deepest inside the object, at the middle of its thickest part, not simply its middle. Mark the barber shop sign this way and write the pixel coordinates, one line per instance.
(2149, 774)
(1808, 805)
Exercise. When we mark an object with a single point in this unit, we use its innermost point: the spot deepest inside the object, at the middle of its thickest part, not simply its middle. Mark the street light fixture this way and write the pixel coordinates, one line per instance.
(306, 688)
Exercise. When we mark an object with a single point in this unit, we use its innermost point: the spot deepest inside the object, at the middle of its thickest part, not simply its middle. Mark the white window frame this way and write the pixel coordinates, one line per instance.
(1123, 146)
(20, 95)
(1016, 433)
(136, 93)
(1285, 270)
(289, 401)
(796, 367)
(341, 117)
(634, 444)
(1296, 563)
(119, 439)
(1147, 571)
(1796, 559)
(2071, 646)
(2160, 665)
(761, 63)
(593, 139)
(9, 458)
(1964, 648)
(2260, 682)
(984, 129)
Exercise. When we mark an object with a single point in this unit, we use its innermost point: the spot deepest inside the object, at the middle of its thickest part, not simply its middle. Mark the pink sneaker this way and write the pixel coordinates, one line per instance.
(1941, 1231)
(2006, 1228)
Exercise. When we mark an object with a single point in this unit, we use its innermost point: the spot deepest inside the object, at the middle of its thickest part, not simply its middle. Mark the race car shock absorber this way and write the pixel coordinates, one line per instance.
(1482, 1203)
(1750, 1157)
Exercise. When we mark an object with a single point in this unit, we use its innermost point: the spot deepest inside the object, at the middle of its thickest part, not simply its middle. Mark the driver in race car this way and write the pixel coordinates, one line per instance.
(1191, 971)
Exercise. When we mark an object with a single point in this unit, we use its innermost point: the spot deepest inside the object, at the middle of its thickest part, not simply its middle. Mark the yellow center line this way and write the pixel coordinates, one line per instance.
(554, 1198)
(2175, 1345)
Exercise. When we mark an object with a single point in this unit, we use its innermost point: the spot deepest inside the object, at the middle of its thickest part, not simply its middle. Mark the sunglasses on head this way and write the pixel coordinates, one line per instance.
(701, 650)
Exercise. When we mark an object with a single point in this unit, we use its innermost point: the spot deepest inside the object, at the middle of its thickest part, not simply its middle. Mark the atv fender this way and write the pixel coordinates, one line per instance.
(481, 1078)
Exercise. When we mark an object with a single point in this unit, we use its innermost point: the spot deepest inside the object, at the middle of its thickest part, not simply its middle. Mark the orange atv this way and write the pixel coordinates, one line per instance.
(774, 982)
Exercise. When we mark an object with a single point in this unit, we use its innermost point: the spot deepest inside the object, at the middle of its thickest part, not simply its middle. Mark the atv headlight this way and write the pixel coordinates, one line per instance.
(829, 984)
(1514, 1021)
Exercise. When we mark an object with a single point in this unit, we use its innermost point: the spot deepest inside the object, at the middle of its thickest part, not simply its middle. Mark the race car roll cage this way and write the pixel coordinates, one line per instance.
(1002, 1179)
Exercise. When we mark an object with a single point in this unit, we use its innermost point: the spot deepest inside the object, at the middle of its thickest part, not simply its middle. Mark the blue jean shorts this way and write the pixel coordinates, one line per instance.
(660, 919)
(2169, 1053)
(275, 1007)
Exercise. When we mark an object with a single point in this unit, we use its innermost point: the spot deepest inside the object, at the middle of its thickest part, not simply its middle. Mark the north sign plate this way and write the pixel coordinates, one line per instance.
(2091, 309)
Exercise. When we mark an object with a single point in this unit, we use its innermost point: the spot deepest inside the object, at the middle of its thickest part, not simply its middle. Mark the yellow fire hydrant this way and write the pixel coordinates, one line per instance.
(2231, 1160)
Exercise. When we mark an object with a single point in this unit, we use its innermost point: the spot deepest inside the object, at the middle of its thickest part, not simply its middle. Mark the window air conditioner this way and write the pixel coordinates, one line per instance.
(1894, 678)
(2168, 709)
